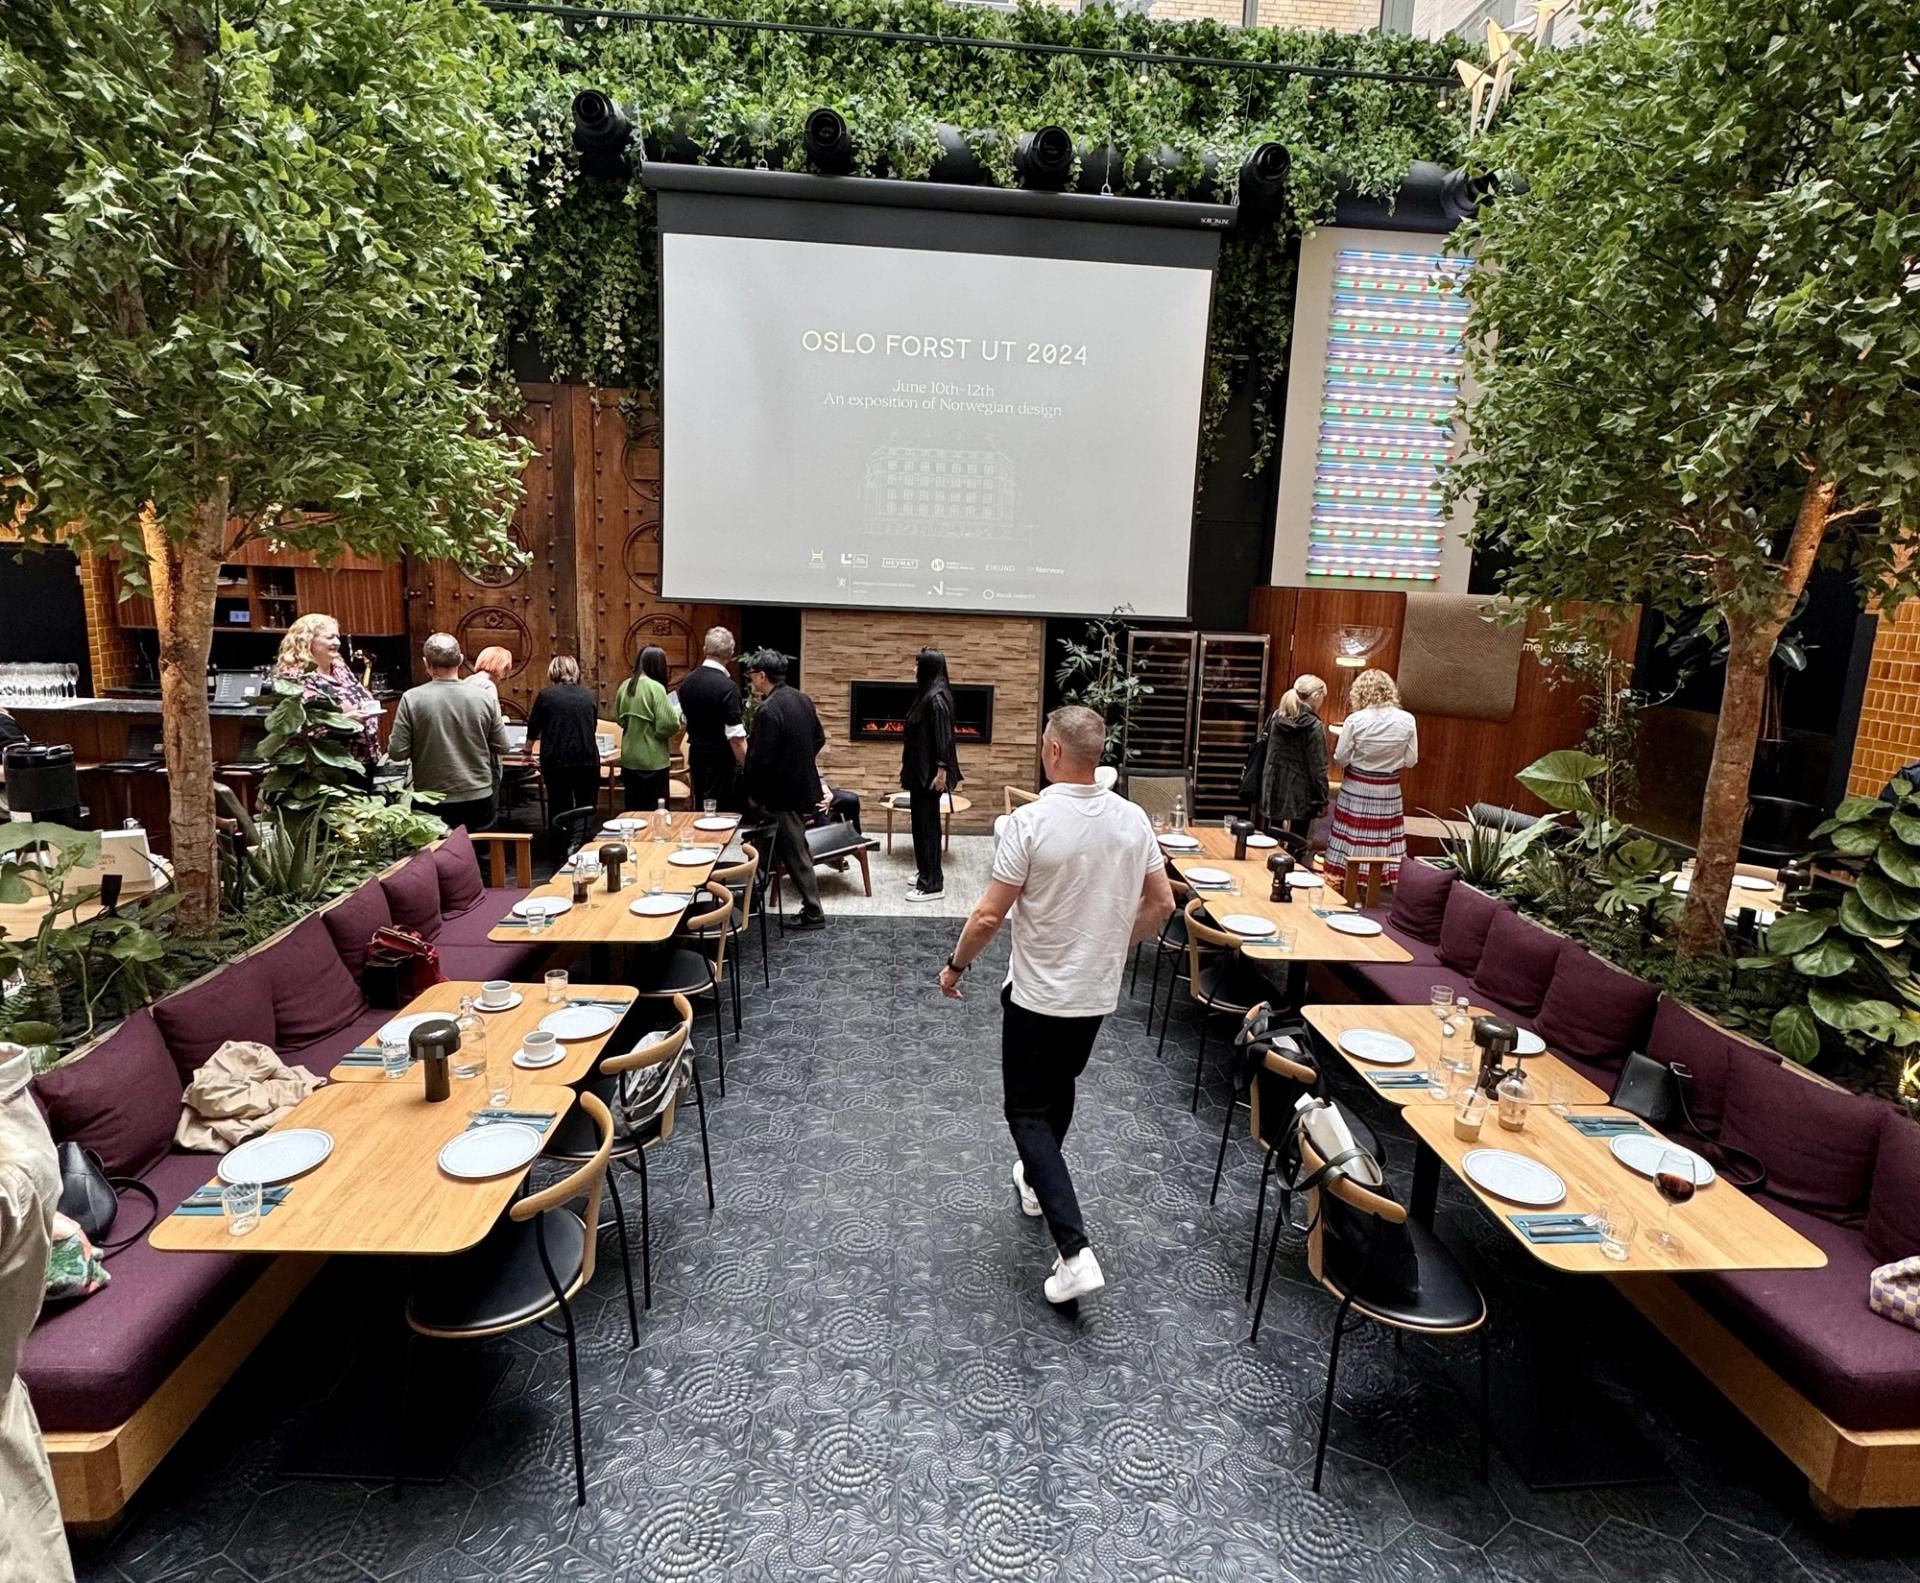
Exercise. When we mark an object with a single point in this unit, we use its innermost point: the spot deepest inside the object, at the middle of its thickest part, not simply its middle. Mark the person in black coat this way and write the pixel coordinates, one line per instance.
(716, 725)
(1294, 791)
(562, 723)
(783, 773)
(929, 770)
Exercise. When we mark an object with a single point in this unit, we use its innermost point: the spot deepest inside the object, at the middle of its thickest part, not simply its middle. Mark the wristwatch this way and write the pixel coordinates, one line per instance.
(954, 967)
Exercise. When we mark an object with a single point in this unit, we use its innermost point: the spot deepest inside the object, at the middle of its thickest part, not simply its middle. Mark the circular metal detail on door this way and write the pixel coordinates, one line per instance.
(490, 624)
(673, 633)
(640, 555)
(501, 574)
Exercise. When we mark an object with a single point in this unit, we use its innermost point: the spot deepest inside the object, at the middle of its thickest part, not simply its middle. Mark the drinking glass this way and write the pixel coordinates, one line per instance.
(1617, 1226)
(499, 1071)
(537, 920)
(1560, 1095)
(1469, 1112)
(709, 806)
(655, 889)
(395, 1057)
(1673, 1178)
(582, 888)
(241, 1201)
(556, 986)
(1439, 1074)
(1440, 1002)
(1281, 939)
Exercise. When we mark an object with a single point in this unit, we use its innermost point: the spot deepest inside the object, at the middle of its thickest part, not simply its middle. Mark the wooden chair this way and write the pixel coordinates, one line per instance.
(673, 969)
(529, 1266)
(1013, 796)
(1218, 979)
(497, 844)
(950, 804)
(609, 785)
(739, 880)
(1362, 879)
(640, 1123)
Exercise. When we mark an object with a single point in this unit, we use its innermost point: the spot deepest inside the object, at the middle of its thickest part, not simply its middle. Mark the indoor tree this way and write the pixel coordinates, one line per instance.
(246, 252)
(1696, 336)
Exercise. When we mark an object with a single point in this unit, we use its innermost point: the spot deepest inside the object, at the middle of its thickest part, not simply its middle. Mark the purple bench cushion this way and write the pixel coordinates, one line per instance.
(235, 1003)
(352, 921)
(1420, 900)
(1463, 928)
(121, 1099)
(413, 892)
(313, 993)
(1516, 963)
(90, 1364)
(458, 867)
(1893, 1209)
(1718, 1059)
(1424, 952)
(1593, 1010)
(1817, 1143)
(469, 926)
(481, 962)
(1407, 983)
(324, 1054)
(1815, 1329)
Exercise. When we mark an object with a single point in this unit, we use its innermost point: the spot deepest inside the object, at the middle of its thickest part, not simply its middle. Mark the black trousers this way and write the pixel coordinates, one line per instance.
(476, 814)
(715, 774)
(923, 808)
(569, 786)
(1040, 1058)
(643, 789)
(790, 845)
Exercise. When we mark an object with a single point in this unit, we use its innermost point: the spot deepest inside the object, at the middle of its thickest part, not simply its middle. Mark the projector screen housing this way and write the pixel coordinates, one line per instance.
(876, 404)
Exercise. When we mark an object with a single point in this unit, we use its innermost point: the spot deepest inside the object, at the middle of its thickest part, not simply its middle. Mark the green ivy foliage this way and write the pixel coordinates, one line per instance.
(586, 290)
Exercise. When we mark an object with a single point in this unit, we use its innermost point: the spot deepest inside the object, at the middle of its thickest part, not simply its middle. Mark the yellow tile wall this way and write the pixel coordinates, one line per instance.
(1890, 713)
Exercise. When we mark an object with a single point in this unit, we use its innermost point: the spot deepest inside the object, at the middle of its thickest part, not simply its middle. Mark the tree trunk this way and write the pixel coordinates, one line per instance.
(185, 573)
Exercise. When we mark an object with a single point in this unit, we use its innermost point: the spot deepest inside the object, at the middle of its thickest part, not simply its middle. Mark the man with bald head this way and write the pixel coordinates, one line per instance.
(1090, 883)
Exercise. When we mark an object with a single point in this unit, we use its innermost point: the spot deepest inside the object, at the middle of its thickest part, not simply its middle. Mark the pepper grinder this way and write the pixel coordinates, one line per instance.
(1280, 865)
(1496, 1038)
(1241, 829)
(432, 1045)
(612, 855)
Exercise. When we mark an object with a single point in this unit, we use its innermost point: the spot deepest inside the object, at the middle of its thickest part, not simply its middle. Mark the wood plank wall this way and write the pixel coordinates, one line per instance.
(1461, 761)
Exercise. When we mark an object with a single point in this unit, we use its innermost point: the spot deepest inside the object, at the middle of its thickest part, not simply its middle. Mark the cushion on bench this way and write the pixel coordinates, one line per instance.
(235, 1003)
(313, 993)
(1418, 950)
(1817, 1143)
(1463, 927)
(1420, 900)
(1716, 1058)
(413, 892)
(1893, 1207)
(458, 867)
(353, 920)
(1407, 983)
(121, 1099)
(469, 925)
(91, 1364)
(324, 1054)
(1593, 1010)
(1517, 961)
(520, 963)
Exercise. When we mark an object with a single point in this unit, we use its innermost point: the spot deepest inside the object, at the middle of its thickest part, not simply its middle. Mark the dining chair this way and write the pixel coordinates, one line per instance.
(1218, 979)
(642, 1089)
(1158, 793)
(1012, 796)
(739, 880)
(532, 1264)
(671, 969)
(574, 828)
(1444, 1300)
(1170, 942)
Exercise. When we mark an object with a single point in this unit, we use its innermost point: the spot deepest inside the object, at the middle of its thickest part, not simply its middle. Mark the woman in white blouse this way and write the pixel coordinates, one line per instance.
(1378, 741)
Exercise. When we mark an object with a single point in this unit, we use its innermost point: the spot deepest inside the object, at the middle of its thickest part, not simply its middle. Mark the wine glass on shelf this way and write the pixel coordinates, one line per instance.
(1675, 1179)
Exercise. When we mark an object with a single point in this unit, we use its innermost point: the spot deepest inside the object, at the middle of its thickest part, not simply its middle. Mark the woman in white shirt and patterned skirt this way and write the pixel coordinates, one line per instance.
(1378, 742)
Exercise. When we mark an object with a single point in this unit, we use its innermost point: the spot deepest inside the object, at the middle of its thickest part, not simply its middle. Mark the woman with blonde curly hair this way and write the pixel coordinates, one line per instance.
(1378, 741)
(310, 656)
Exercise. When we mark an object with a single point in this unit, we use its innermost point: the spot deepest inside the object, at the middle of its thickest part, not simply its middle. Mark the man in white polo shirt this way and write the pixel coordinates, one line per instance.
(1090, 882)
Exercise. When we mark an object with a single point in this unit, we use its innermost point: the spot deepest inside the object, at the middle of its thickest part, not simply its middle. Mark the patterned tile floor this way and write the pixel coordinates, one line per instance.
(849, 1372)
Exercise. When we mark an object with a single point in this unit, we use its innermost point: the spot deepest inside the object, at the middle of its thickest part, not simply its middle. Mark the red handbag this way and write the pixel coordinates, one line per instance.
(412, 962)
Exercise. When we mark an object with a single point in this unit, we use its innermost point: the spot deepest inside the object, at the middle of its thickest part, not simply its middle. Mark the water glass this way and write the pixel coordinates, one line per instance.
(1440, 1002)
(1439, 1076)
(499, 1071)
(1560, 1095)
(1281, 939)
(241, 1201)
(395, 1057)
(1618, 1223)
(710, 806)
(537, 920)
(556, 986)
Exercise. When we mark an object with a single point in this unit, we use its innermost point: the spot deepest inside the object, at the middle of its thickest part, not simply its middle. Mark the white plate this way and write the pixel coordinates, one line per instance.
(1261, 840)
(276, 1156)
(1180, 842)
(491, 1150)
(1254, 928)
(1641, 1151)
(581, 1022)
(1752, 882)
(506, 1005)
(1208, 876)
(657, 906)
(718, 821)
(1304, 879)
(1517, 1178)
(521, 1058)
(1529, 1043)
(1370, 1044)
(400, 1027)
(1353, 923)
(552, 906)
(691, 858)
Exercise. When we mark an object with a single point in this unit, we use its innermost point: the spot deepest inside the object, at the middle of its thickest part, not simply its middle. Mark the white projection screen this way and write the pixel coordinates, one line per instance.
(849, 420)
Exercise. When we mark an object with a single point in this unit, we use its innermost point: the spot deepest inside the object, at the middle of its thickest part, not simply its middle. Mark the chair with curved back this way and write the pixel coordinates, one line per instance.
(532, 1264)
(1170, 942)
(674, 969)
(740, 880)
(1218, 979)
(573, 829)
(1158, 794)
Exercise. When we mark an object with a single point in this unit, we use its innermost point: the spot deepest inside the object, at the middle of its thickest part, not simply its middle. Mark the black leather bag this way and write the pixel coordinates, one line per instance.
(1254, 772)
(1660, 1095)
(91, 1199)
(1362, 1252)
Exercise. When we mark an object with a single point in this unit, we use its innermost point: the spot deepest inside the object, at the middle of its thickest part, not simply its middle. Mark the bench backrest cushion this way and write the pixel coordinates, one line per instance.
(1716, 1058)
(1817, 1143)
(1893, 1210)
(1420, 900)
(1593, 1010)
(458, 865)
(1517, 962)
(121, 1099)
(413, 892)
(1468, 916)
(352, 920)
(235, 1003)
(313, 993)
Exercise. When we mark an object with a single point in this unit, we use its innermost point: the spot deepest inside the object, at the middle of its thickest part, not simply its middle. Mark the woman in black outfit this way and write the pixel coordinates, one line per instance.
(929, 769)
(562, 723)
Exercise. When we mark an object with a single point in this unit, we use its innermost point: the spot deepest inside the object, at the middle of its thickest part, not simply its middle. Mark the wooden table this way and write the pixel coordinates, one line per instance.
(1421, 1029)
(382, 1189)
(1766, 903)
(22, 918)
(607, 918)
(1314, 939)
(581, 1055)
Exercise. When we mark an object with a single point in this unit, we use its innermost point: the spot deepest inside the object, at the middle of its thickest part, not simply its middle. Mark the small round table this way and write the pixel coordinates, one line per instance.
(951, 803)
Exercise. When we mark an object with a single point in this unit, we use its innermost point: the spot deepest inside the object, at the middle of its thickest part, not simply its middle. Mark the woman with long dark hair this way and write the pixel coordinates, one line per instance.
(649, 720)
(929, 769)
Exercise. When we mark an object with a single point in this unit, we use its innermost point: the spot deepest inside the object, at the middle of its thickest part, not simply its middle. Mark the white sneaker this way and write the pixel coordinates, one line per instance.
(917, 894)
(1029, 1200)
(1074, 1277)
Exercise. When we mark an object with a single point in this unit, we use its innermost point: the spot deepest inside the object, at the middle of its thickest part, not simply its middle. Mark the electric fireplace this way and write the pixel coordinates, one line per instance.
(878, 711)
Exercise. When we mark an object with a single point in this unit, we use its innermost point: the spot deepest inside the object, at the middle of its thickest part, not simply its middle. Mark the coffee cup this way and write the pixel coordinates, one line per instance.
(538, 1045)
(496, 992)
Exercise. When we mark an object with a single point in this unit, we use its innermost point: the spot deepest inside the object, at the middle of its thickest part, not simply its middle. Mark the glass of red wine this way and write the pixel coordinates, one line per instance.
(1674, 1177)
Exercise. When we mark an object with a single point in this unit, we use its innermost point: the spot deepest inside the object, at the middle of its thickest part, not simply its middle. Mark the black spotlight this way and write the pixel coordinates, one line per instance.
(1263, 181)
(1461, 195)
(601, 134)
(828, 143)
(1044, 159)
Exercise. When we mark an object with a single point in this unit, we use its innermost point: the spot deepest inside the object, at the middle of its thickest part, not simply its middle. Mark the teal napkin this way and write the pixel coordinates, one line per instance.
(207, 1200)
(1604, 1126)
(539, 1120)
(1555, 1228)
(1399, 1079)
(594, 1000)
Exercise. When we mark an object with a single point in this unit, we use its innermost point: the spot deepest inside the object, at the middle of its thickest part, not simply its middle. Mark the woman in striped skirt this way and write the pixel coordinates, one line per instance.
(1378, 742)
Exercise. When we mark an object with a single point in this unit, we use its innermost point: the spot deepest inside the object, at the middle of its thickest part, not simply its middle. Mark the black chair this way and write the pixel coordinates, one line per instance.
(830, 843)
(572, 829)
(1218, 979)
(674, 970)
(529, 1266)
(1444, 1300)
(642, 1089)
(741, 881)
(1171, 942)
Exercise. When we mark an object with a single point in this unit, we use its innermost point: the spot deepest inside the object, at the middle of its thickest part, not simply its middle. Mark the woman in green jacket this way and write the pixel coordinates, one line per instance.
(649, 721)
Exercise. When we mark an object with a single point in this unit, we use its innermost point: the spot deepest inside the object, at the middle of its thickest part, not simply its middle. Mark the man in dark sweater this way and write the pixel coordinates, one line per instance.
(716, 725)
(783, 777)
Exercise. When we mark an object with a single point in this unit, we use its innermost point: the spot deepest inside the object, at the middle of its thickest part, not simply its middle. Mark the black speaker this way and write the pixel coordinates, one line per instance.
(42, 781)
